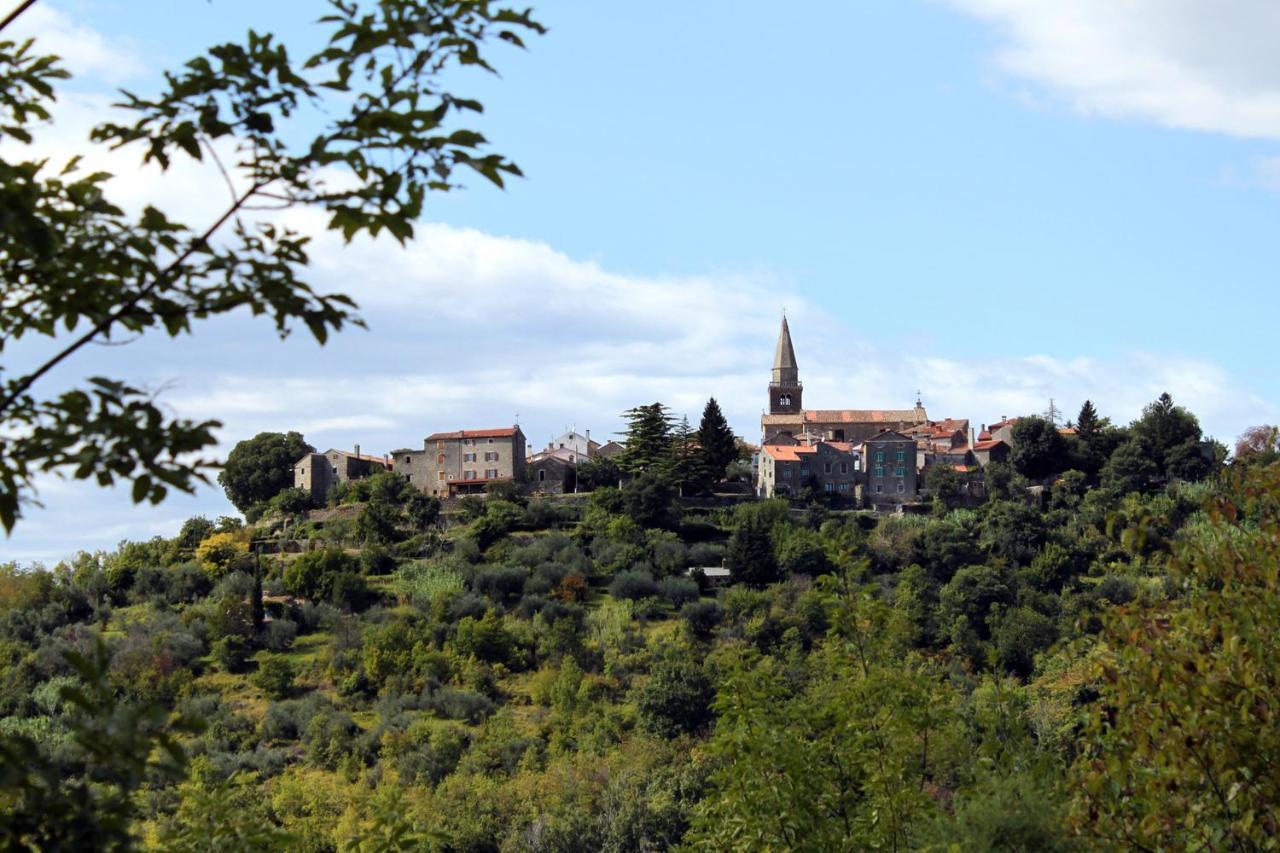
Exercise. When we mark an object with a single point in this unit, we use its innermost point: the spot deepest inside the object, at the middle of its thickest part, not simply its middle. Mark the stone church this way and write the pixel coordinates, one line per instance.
(788, 422)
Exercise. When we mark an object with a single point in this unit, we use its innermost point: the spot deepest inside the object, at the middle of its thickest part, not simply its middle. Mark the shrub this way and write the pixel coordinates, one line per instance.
(502, 585)
(279, 634)
(633, 586)
(231, 653)
(702, 617)
(274, 676)
(315, 575)
(677, 697)
(460, 705)
(376, 560)
(680, 591)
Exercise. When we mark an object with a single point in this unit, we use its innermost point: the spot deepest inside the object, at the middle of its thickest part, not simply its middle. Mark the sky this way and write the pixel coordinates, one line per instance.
(991, 203)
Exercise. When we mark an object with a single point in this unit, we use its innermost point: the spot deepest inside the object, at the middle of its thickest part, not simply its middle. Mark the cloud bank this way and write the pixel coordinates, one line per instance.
(1179, 63)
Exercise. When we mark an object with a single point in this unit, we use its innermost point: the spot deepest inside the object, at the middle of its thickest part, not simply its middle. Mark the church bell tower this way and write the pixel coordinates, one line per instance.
(784, 386)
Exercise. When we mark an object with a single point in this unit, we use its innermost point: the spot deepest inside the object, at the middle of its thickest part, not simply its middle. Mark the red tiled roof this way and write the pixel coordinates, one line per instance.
(985, 435)
(989, 443)
(504, 432)
(1004, 423)
(863, 416)
(1067, 431)
(792, 452)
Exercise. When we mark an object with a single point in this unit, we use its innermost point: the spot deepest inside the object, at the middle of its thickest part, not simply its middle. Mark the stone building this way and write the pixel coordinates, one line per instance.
(787, 417)
(577, 443)
(552, 474)
(317, 473)
(465, 461)
(831, 467)
(891, 468)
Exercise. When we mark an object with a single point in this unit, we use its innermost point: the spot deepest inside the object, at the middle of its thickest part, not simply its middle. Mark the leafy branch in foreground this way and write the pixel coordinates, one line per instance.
(78, 269)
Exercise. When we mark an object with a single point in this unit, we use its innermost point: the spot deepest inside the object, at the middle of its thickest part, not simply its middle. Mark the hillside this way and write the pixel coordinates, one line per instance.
(547, 674)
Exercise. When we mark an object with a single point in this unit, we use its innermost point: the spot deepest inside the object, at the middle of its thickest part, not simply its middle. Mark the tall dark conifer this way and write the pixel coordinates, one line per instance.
(717, 443)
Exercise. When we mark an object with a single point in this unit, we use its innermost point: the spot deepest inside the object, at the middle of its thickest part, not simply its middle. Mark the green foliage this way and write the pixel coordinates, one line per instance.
(717, 444)
(85, 272)
(677, 697)
(750, 558)
(648, 439)
(84, 798)
(328, 575)
(1039, 450)
(259, 468)
(1181, 748)
(274, 676)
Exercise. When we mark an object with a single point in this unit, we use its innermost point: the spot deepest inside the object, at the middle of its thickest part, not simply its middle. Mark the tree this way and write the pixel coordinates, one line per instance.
(947, 485)
(689, 471)
(716, 441)
(749, 557)
(1130, 468)
(677, 697)
(1171, 436)
(79, 270)
(1181, 747)
(648, 441)
(1038, 448)
(1259, 445)
(259, 468)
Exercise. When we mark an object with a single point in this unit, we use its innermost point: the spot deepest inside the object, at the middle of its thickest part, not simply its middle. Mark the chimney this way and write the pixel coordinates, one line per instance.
(588, 435)
(357, 451)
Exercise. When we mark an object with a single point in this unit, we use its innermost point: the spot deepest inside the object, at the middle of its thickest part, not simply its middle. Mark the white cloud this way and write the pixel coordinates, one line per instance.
(83, 51)
(1180, 63)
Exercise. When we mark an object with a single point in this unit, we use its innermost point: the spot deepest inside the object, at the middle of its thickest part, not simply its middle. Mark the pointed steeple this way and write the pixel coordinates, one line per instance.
(785, 370)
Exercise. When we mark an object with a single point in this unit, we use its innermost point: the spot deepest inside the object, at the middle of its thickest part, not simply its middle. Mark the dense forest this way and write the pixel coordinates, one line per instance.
(1084, 659)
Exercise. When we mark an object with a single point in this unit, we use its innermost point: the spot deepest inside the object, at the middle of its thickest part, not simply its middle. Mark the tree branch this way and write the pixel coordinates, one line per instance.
(13, 16)
(107, 322)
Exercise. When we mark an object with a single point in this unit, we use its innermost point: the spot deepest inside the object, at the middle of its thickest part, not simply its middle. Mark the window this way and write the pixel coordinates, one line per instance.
(879, 455)
(491, 441)
(902, 487)
(440, 459)
(844, 487)
(408, 459)
(440, 475)
(829, 487)
(468, 457)
(900, 471)
(826, 467)
(491, 456)
(879, 488)
(468, 475)
(335, 470)
(491, 473)
(542, 474)
(469, 442)
(439, 445)
(879, 471)
(902, 455)
(844, 467)
(804, 472)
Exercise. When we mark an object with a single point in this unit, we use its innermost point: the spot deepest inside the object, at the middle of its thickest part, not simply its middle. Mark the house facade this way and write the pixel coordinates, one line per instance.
(317, 473)
(834, 468)
(465, 461)
(891, 468)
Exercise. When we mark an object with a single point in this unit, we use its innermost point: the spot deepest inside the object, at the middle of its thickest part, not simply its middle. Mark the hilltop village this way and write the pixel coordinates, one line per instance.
(858, 458)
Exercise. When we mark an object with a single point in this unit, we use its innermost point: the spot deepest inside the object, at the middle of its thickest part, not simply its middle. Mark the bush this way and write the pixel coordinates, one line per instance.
(376, 560)
(677, 697)
(279, 634)
(316, 575)
(502, 585)
(460, 705)
(702, 617)
(274, 676)
(680, 591)
(633, 586)
(231, 653)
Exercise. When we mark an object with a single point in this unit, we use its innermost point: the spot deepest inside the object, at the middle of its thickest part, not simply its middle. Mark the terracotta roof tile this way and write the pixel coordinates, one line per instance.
(504, 432)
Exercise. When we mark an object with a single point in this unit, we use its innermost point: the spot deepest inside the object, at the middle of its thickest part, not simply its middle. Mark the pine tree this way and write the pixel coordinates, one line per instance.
(718, 445)
(1088, 424)
(648, 439)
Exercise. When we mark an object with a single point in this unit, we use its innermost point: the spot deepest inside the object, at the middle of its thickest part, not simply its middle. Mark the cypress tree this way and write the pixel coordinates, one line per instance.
(749, 557)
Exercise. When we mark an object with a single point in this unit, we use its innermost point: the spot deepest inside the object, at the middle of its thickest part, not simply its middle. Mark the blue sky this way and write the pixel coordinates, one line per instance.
(992, 201)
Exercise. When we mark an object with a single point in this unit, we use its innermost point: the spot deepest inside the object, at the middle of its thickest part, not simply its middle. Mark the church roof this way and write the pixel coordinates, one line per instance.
(865, 416)
(784, 355)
